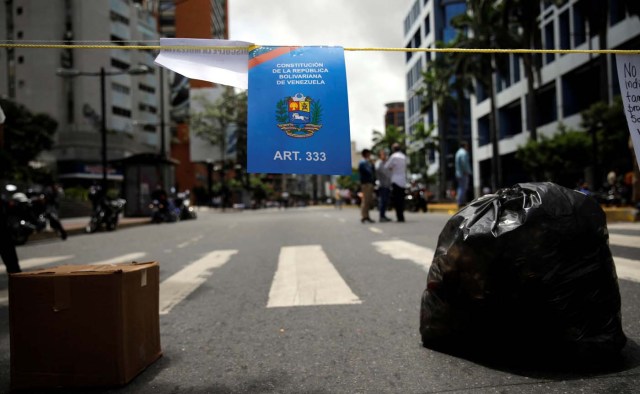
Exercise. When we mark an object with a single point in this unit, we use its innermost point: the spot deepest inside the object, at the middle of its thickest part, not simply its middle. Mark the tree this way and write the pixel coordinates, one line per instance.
(608, 126)
(486, 25)
(217, 119)
(436, 90)
(420, 142)
(393, 134)
(26, 135)
(560, 159)
(564, 157)
(524, 14)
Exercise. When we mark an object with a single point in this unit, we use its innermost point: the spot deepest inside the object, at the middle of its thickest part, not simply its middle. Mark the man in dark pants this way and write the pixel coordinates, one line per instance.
(397, 166)
(7, 248)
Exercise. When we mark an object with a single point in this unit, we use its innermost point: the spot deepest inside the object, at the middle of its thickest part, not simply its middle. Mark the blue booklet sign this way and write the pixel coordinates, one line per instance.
(298, 111)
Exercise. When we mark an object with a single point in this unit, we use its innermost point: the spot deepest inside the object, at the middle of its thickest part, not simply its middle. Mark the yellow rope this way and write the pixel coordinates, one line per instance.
(370, 49)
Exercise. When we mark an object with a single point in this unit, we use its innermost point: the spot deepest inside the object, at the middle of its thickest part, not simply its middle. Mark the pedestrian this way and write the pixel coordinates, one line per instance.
(367, 179)
(384, 185)
(51, 193)
(7, 247)
(397, 167)
(337, 195)
(463, 172)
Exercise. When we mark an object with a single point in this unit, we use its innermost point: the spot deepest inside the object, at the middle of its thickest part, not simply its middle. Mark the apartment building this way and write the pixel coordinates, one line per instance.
(426, 23)
(73, 98)
(569, 83)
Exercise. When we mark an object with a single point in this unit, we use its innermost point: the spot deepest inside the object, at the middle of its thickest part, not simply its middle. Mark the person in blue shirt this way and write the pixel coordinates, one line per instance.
(367, 179)
(463, 173)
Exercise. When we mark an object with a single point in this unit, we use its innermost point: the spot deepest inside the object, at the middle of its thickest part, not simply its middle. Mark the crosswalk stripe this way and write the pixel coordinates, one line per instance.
(624, 240)
(305, 276)
(403, 250)
(375, 230)
(623, 226)
(179, 285)
(627, 268)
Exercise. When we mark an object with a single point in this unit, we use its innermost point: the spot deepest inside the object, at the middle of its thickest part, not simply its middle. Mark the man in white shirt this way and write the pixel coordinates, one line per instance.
(397, 166)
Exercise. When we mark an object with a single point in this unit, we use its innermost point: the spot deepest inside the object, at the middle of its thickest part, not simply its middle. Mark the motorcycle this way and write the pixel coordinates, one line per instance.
(25, 216)
(105, 213)
(163, 211)
(183, 207)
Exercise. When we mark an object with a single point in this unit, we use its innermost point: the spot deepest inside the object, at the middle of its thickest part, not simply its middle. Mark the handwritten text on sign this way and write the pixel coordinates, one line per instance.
(629, 78)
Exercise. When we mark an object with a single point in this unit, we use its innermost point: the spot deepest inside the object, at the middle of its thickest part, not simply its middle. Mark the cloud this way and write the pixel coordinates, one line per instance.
(374, 78)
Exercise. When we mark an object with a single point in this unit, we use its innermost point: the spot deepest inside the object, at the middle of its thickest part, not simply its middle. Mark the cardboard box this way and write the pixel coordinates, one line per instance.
(83, 325)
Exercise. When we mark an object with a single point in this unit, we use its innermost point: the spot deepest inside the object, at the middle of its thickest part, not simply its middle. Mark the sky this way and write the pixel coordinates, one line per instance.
(373, 78)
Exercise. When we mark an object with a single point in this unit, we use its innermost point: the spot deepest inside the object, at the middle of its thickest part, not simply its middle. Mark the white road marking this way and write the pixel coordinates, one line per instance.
(189, 242)
(38, 261)
(624, 240)
(624, 226)
(375, 230)
(125, 258)
(177, 287)
(342, 220)
(627, 268)
(305, 276)
(403, 250)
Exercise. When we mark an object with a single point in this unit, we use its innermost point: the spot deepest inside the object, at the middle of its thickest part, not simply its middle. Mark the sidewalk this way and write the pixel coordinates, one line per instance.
(614, 214)
(75, 226)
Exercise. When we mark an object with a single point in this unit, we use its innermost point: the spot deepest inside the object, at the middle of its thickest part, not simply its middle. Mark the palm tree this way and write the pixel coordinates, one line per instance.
(436, 90)
(392, 135)
(524, 14)
(420, 142)
(484, 20)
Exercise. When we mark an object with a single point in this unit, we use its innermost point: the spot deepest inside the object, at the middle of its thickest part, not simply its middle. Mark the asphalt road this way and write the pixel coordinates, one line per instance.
(239, 330)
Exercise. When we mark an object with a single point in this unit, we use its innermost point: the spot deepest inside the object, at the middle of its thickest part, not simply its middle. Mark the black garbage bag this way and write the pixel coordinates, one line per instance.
(529, 266)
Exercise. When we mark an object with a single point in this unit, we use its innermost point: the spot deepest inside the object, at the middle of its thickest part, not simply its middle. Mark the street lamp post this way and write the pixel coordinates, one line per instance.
(72, 73)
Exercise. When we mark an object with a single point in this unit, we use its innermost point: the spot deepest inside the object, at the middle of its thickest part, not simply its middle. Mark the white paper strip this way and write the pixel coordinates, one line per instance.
(222, 66)
(629, 78)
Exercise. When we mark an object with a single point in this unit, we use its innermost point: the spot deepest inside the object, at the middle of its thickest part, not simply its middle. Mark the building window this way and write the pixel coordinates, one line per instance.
(19, 11)
(115, 17)
(576, 94)
(117, 40)
(565, 31)
(116, 87)
(19, 34)
(119, 64)
(20, 59)
(546, 104)
(147, 108)
(510, 119)
(616, 12)
(121, 111)
(579, 26)
(483, 131)
(548, 42)
(427, 25)
(146, 88)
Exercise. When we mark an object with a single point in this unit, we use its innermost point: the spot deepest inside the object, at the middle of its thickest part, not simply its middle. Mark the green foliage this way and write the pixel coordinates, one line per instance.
(26, 135)
(421, 141)
(392, 135)
(560, 159)
(282, 111)
(316, 112)
(77, 193)
(612, 135)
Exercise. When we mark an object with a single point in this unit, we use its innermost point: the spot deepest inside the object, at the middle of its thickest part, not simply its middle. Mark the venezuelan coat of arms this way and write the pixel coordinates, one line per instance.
(299, 116)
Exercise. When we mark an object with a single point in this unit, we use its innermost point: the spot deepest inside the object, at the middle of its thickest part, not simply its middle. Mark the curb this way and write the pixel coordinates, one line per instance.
(77, 228)
(614, 214)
